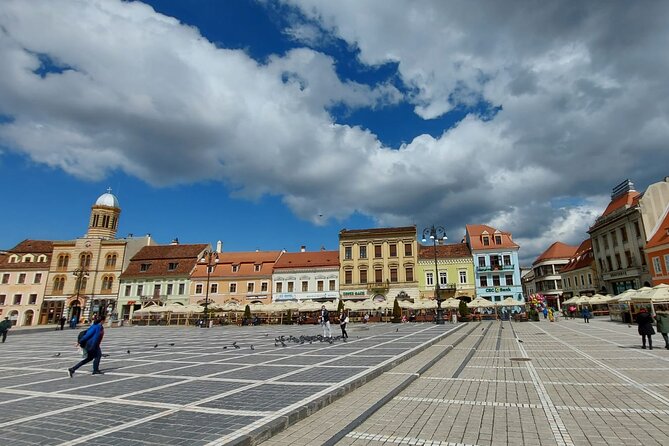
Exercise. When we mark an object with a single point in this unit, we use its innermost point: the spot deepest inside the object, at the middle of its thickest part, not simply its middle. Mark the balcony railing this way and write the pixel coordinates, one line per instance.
(495, 268)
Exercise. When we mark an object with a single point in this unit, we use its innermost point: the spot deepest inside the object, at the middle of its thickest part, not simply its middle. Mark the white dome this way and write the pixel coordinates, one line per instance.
(107, 199)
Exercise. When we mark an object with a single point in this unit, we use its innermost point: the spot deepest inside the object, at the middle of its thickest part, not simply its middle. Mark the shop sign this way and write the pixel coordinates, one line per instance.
(497, 290)
(354, 293)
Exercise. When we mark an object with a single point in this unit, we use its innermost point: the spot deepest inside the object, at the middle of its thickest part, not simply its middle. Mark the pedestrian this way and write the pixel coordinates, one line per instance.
(62, 322)
(645, 321)
(73, 322)
(325, 322)
(91, 343)
(585, 312)
(572, 311)
(663, 325)
(545, 311)
(343, 320)
(365, 318)
(551, 318)
(4, 328)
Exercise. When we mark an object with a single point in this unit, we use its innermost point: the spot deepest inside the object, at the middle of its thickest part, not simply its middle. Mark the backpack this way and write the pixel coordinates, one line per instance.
(81, 335)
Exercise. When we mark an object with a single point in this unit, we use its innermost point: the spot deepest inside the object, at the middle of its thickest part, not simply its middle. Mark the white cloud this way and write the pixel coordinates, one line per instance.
(581, 89)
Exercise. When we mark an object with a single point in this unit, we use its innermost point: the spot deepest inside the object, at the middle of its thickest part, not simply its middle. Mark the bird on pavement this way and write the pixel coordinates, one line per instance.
(128, 351)
(56, 355)
(252, 347)
(155, 346)
(225, 347)
(520, 341)
(172, 344)
(396, 330)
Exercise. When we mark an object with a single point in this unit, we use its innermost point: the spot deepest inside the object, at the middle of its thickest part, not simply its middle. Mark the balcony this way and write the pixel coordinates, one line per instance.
(483, 268)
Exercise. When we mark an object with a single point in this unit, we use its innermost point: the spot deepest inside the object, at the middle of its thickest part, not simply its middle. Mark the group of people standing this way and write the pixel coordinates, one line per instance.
(645, 322)
(324, 319)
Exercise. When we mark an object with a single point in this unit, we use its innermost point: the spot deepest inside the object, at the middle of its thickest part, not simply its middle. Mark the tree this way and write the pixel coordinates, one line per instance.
(397, 312)
(340, 307)
(247, 313)
(463, 309)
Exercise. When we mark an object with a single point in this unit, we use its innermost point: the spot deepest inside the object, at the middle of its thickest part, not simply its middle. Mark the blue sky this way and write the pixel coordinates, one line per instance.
(273, 124)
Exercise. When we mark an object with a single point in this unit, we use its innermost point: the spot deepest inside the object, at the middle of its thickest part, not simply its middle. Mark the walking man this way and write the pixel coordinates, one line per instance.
(325, 322)
(645, 321)
(91, 342)
(62, 322)
(343, 320)
(4, 328)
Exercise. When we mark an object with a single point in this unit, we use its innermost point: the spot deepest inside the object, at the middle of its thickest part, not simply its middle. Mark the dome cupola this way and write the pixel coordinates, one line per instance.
(104, 217)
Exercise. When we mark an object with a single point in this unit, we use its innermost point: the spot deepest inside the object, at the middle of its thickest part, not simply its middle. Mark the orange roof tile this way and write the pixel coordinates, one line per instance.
(245, 263)
(557, 250)
(376, 231)
(308, 259)
(476, 233)
(629, 199)
(583, 257)
(661, 235)
(455, 250)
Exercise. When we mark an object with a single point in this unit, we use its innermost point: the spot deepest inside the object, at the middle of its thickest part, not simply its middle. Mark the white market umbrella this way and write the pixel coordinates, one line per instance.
(509, 302)
(480, 302)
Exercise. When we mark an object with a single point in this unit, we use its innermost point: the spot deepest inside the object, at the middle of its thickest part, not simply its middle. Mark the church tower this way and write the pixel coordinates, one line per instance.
(104, 217)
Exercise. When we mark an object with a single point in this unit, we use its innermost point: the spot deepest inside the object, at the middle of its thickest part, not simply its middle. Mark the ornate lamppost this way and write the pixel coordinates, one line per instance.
(434, 233)
(210, 259)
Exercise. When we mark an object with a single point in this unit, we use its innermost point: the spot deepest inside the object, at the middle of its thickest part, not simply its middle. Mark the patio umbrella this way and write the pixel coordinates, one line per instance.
(480, 302)
(509, 302)
(627, 295)
(450, 303)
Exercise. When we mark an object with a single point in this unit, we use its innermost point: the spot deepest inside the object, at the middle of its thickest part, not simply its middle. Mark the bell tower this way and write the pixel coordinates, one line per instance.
(104, 217)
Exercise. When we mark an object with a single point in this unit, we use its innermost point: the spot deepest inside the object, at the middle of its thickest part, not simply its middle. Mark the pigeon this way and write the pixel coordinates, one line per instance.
(520, 341)
(128, 351)
(483, 329)
(172, 344)
(252, 347)
(234, 344)
(266, 334)
(105, 355)
(283, 344)
(155, 346)
(225, 347)
(396, 330)
(56, 355)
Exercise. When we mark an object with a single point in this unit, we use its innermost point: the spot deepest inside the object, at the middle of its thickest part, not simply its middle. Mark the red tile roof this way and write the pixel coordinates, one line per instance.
(628, 199)
(661, 235)
(246, 264)
(376, 231)
(476, 233)
(582, 258)
(557, 250)
(308, 259)
(36, 247)
(452, 251)
(169, 252)
(163, 260)
(33, 247)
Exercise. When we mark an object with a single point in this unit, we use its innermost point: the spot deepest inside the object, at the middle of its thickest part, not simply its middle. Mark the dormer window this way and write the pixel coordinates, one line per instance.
(498, 239)
(256, 267)
(27, 259)
(172, 266)
(144, 267)
(13, 259)
(235, 268)
(486, 240)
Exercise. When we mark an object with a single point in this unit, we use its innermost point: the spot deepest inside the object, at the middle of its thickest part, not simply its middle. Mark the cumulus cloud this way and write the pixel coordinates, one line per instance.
(94, 86)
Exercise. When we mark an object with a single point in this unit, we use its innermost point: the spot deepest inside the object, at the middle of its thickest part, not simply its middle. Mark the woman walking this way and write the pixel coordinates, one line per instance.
(663, 325)
(343, 320)
(645, 321)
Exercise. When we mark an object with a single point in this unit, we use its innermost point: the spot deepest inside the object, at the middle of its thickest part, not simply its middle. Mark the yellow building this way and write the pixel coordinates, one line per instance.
(378, 263)
(454, 271)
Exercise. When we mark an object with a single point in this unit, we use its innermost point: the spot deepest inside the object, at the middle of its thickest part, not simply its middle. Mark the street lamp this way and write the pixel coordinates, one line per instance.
(210, 259)
(434, 233)
(80, 273)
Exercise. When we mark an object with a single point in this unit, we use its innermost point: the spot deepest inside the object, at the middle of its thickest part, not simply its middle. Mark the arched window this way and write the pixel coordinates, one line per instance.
(85, 259)
(63, 260)
(41, 258)
(111, 261)
(107, 283)
(13, 259)
(58, 284)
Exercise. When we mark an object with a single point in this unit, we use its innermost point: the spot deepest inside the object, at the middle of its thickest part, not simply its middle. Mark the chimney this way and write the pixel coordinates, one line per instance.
(219, 246)
(175, 241)
(303, 248)
(148, 239)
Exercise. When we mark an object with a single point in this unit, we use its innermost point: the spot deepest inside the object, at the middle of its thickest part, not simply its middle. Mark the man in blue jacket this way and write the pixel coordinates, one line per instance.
(91, 342)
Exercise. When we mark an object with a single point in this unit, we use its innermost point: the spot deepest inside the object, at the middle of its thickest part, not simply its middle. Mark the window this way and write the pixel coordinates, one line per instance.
(657, 265)
(605, 241)
(182, 289)
(58, 285)
(443, 279)
(263, 287)
(156, 290)
(623, 234)
(214, 288)
(507, 260)
(608, 263)
(566, 282)
(22, 278)
(172, 266)
(589, 279)
(85, 260)
(429, 279)
(481, 261)
(628, 258)
(63, 260)
(484, 280)
(495, 280)
(463, 276)
(291, 286)
(128, 289)
(144, 267)
(498, 239)
(107, 282)
(619, 262)
(408, 250)
(170, 289)
(319, 285)
(250, 286)
(486, 241)
(32, 300)
(378, 275)
(233, 287)
(198, 288)
(235, 268)
(17, 299)
(140, 289)
(5, 278)
(331, 286)
(596, 244)
(377, 251)
(256, 267)
(393, 274)
(110, 262)
(363, 251)
(408, 271)
(305, 286)
(278, 287)
(393, 249)
(38, 278)
(348, 277)
(348, 252)
(2, 299)
(637, 229)
(508, 279)
(614, 237)
(666, 263)
(363, 276)
(643, 256)
(582, 280)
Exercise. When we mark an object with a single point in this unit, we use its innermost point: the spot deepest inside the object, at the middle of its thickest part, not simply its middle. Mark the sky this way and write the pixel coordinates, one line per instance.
(274, 124)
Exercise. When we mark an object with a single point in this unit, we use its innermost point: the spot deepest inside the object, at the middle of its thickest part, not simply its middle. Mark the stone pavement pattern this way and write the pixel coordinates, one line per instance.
(584, 384)
(193, 387)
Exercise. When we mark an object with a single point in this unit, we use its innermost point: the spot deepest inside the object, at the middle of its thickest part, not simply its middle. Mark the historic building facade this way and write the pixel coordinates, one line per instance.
(454, 271)
(580, 276)
(657, 250)
(158, 275)
(495, 255)
(304, 276)
(547, 271)
(23, 276)
(239, 277)
(378, 263)
(84, 273)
